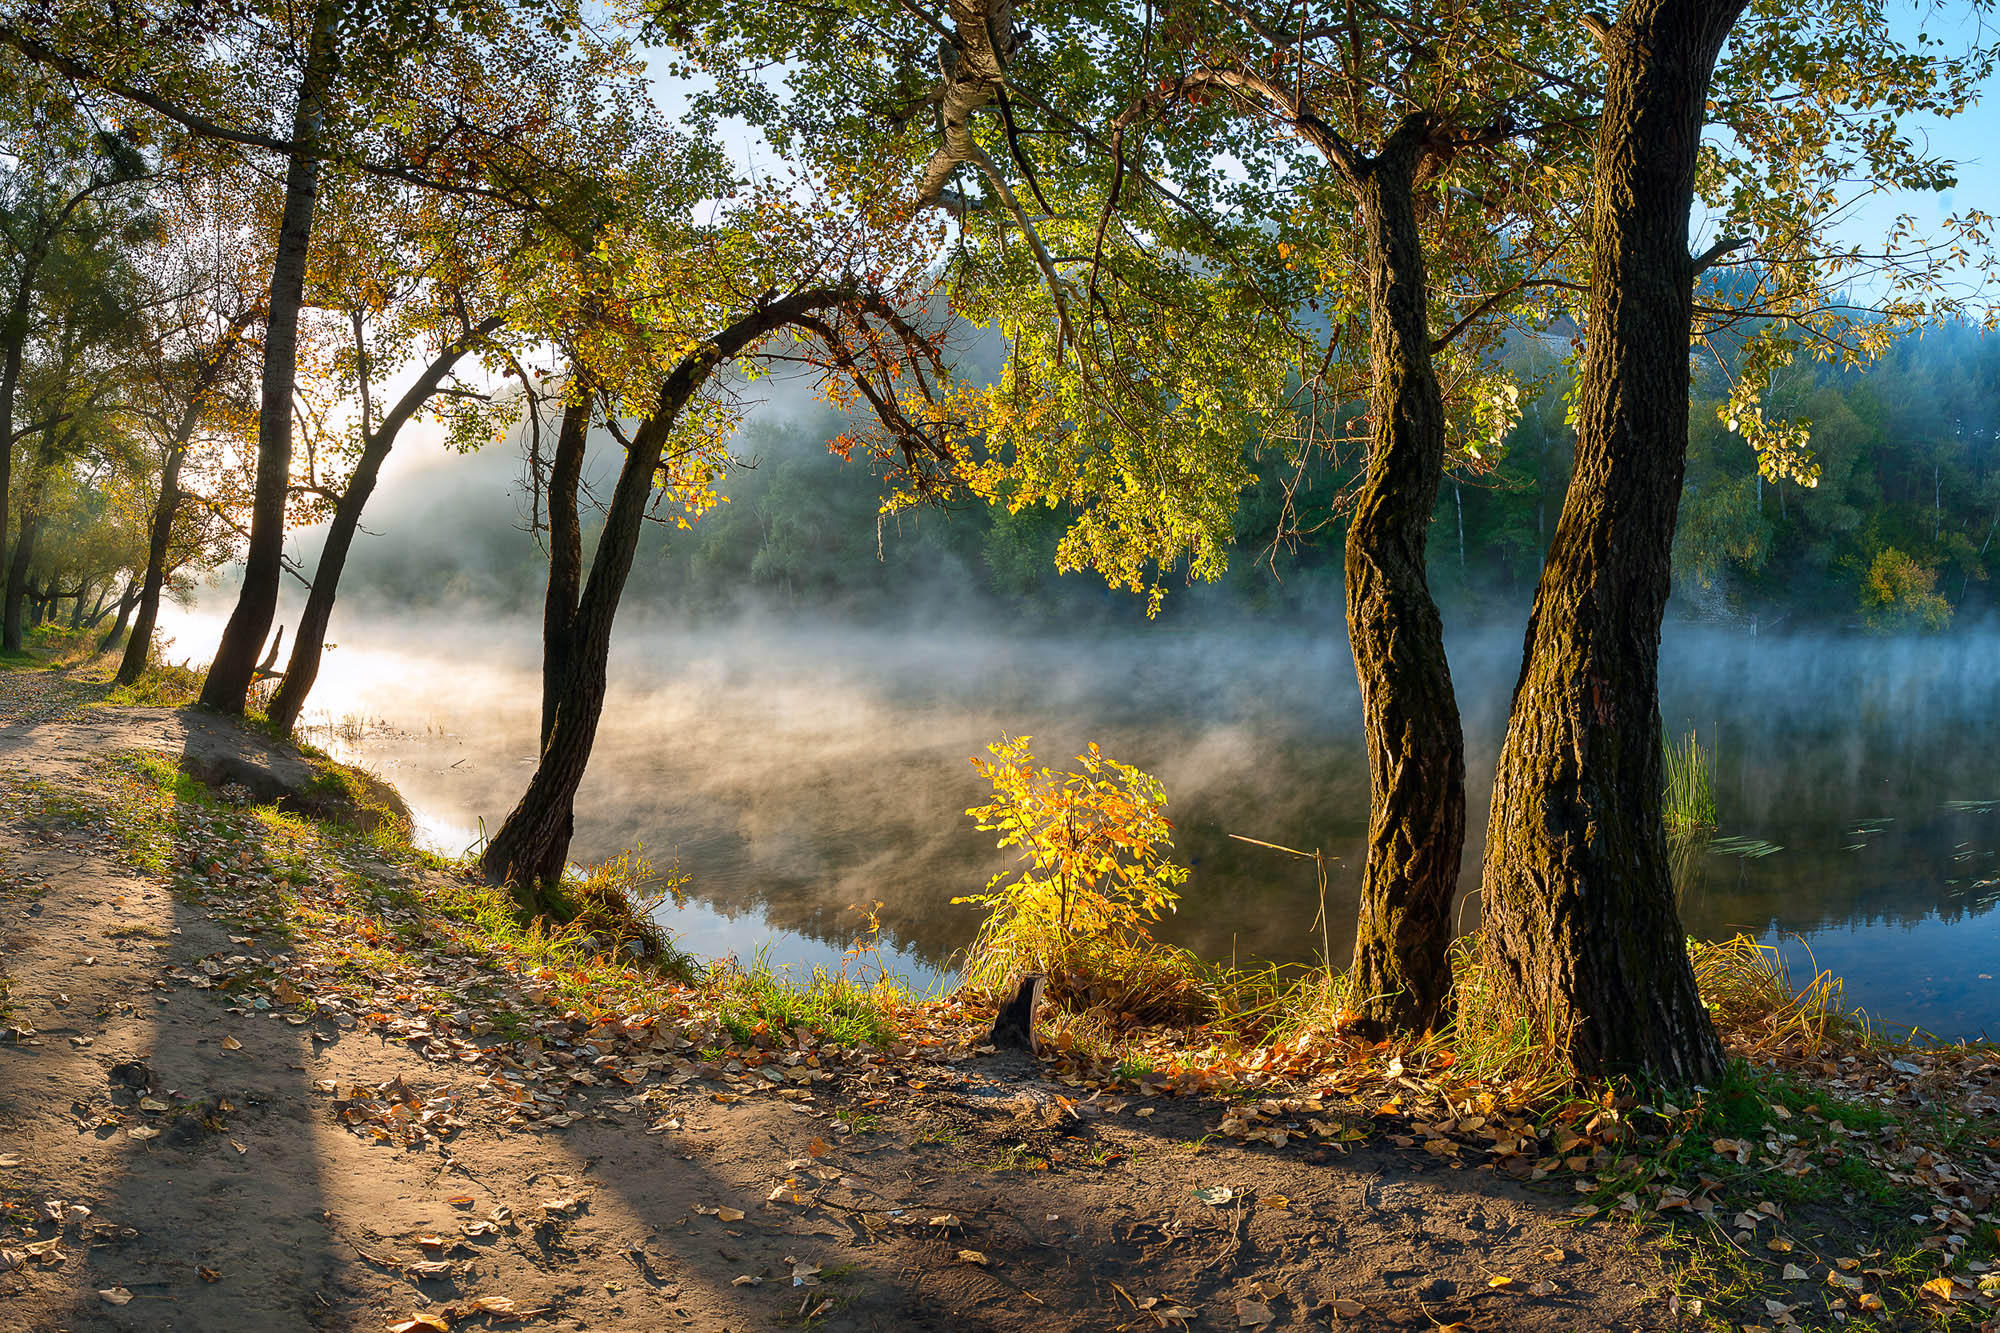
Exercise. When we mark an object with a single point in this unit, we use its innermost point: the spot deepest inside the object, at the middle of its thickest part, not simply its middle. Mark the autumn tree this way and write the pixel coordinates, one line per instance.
(421, 94)
(769, 286)
(1149, 322)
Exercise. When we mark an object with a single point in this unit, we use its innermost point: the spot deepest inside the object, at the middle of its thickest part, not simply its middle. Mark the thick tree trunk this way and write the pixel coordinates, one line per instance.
(126, 601)
(235, 665)
(1581, 934)
(1416, 754)
(309, 644)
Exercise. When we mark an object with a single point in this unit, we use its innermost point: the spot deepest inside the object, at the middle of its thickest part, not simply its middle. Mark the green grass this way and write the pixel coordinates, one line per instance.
(761, 1002)
(1688, 804)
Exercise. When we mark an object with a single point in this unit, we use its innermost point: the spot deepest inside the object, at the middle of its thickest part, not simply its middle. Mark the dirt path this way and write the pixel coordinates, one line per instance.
(912, 1203)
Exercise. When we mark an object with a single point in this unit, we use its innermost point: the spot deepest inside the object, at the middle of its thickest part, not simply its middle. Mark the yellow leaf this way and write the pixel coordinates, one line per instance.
(973, 1257)
(1501, 1282)
(1942, 1288)
(730, 1214)
(231, 1044)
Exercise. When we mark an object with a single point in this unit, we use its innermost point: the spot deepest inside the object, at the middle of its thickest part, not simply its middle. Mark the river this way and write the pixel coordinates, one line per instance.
(797, 773)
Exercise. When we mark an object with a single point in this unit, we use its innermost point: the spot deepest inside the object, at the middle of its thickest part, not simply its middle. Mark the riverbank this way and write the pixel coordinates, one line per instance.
(301, 1075)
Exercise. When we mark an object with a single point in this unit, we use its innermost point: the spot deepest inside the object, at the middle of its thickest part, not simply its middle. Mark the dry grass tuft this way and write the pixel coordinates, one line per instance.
(1763, 1014)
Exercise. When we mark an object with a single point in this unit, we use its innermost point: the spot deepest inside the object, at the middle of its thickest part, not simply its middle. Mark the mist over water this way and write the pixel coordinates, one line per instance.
(797, 770)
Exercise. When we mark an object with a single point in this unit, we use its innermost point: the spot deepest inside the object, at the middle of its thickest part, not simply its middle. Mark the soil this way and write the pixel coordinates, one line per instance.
(972, 1198)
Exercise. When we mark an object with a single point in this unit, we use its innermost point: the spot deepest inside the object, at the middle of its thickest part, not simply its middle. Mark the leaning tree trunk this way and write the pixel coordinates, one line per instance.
(126, 601)
(309, 644)
(235, 666)
(559, 607)
(167, 504)
(139, 647)
(532, 845)
(1581, 933)
(1416, 754)
(530, 850)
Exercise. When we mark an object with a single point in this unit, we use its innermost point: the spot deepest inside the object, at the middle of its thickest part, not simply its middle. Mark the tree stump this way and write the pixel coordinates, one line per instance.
(1014, 1025)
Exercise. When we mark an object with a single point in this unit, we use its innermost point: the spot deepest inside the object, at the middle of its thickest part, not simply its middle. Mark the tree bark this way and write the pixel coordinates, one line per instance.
(230, 674)
(559, 607)
(126, 601)
(309, 644)
(1581, 933)
(17, 571)
(1416, 755)
(531, 848)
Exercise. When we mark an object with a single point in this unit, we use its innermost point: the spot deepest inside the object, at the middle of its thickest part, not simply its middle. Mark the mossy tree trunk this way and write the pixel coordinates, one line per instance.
(1416, 753)
(1581, 932)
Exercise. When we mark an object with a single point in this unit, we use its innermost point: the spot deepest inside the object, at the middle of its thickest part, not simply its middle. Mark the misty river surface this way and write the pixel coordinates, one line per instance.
(797, 773)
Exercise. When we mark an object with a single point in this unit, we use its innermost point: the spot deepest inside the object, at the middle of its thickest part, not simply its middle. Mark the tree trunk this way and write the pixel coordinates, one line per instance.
(565, 558)
(530, 849)
(1581, 933)
(235, 665)
(17, 571)
(167, 505)
(1416, 755)
(309, 644)
(126, 601)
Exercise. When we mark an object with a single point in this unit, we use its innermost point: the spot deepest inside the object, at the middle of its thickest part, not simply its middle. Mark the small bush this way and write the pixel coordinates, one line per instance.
(1096, 842)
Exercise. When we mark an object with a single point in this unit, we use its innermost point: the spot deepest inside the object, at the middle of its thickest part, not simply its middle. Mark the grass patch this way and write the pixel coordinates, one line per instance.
(760, 1006)
(1688, 804)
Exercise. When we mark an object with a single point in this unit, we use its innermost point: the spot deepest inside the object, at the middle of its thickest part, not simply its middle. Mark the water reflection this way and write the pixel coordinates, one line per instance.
(796, 773)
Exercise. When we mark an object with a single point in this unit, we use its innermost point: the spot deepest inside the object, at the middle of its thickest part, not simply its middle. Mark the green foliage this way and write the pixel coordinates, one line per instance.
(1901, 595)
(1096, 842)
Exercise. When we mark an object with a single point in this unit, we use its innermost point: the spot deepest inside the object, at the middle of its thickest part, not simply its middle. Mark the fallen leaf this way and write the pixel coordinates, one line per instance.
(422, 1323)
(208, 1275)
(231, 1044)
(143, 1132)
(1778, 1245)
(1346, 1308)
(460, 1201)
(973, 1257)
(1252, 1314)
(1274, 1201)
(1215, 1195)
(746, 1280)
(493, 1305)
(1942, 1288)
(729, 1214)
(115, 1295)
(1793, 1273)
(817, 1148)
(1502, 1282)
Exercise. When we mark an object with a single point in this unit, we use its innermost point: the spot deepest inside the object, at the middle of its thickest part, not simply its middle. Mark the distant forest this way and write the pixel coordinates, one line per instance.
(1898, 535)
